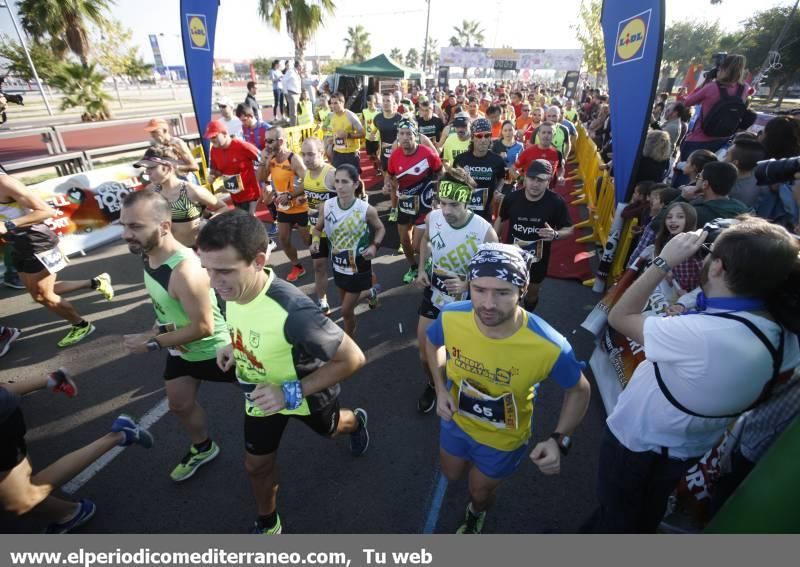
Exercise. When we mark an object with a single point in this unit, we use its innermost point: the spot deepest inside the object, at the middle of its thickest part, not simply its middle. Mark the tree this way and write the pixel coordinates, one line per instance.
(63, 23)
(136, 68)
(468, 35)
(412, 58)
(357, 43)
(432, 54)
(756, 40)
(262, 65)
(396, 54)
(16, 63)
(82, 86)
(690, 42)
(590, 36)
(302, 19)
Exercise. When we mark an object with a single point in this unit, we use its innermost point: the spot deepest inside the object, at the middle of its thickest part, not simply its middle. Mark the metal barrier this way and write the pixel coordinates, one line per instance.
(48, 136)
(65, 164)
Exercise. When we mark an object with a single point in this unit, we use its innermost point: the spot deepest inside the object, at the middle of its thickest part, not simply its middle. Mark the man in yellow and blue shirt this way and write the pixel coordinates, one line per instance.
(487, 357)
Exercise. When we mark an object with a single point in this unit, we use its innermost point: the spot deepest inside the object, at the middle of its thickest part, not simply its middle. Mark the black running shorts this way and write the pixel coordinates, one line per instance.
(201, 370)
(262, 435)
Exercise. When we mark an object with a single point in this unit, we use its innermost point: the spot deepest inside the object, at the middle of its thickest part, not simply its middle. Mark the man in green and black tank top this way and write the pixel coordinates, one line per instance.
(189, 324)
(289, 357)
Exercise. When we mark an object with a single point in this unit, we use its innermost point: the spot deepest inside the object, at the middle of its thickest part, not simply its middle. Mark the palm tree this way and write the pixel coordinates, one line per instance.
(82, 85)
(412, 58)
(468, 35)
(357, 43)
(302, 19)
(396, 54)
(63, 22)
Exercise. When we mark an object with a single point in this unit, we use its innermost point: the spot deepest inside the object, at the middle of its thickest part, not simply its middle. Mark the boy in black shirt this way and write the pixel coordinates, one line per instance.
(536, 216)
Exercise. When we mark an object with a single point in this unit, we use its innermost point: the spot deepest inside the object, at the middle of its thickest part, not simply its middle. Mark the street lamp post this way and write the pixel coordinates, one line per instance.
(28, 56)
(425, 50)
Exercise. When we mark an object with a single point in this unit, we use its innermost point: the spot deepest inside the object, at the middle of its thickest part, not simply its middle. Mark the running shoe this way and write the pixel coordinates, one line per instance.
(7, 336)
(359, 439)
(192, 461)
(427, 401)
(373, 296)
(259, 529)
(11, 279)
(104, 287)
(134, 433)
(76, 334)
(62, 383)
(393, 214)
(273, 229)
(410, 275)
(472, 524)
(295, 273)
(272, 245)
(86, 509)
(324, 308)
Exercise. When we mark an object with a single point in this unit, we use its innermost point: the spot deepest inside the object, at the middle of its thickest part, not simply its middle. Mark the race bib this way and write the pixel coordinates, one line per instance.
(408, 204)
(344, 261)
(478, 200)
(313, 216)
(440, 296)
(53, 260)
(535, 247)
(387, 151)
(339, 142)
(232, 183)
(499, 412)
(168, 328)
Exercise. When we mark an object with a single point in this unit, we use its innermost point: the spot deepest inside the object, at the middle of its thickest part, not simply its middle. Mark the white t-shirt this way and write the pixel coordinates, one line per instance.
(234, 126)
(711, 365)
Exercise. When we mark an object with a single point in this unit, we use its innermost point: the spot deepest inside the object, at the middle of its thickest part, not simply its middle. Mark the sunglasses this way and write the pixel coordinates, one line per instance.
(270, 140)
(483, 136)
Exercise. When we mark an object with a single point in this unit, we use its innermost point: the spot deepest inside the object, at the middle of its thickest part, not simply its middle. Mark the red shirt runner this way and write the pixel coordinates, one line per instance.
(238, 159)
(415, 171)
(531, 153)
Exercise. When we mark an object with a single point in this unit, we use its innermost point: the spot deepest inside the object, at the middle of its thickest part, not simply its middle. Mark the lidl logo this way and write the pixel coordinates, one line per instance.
(632, 38)
(198, 31)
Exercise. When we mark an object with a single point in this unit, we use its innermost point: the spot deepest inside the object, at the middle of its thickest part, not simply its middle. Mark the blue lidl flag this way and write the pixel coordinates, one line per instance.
(634, 35)
(198, 25)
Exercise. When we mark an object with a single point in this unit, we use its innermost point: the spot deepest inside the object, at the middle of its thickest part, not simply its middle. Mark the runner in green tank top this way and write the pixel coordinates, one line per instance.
(289, 357)
(188, 319)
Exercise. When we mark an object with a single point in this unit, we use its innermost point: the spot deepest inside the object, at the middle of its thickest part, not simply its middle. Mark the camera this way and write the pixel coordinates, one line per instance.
(771, 171)
(717, 60)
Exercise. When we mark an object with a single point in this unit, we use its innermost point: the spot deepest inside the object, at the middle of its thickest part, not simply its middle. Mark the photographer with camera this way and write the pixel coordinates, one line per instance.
(723, 109)
(702, 369)
(779, 175)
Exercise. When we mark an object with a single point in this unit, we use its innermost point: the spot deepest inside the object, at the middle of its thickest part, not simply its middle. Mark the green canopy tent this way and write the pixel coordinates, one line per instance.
(380, 66)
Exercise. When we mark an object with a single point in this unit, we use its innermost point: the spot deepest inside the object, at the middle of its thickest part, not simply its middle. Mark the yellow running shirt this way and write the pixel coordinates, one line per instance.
(492, 380)
(347, 145)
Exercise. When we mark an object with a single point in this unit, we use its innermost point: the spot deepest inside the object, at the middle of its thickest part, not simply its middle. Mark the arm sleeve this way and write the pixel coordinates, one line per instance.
(315, 333)
(435, 331)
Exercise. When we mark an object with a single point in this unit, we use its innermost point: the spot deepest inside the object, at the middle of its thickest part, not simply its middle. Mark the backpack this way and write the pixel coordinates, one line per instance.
(726, 115)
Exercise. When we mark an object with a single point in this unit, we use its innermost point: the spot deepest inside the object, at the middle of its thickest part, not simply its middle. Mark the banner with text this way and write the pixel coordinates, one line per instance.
(634, 36)
(198, 26)
(511, 59)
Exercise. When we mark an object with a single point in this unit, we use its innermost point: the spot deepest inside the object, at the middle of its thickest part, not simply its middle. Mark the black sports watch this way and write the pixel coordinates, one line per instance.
(564, 442)
(661, 264)
(153, 345)
(10, 226)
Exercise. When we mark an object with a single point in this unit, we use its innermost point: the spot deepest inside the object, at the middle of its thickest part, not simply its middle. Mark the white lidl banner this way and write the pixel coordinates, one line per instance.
(485, 58)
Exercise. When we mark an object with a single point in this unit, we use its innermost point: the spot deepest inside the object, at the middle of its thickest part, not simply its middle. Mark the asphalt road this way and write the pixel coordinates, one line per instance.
(391, 489)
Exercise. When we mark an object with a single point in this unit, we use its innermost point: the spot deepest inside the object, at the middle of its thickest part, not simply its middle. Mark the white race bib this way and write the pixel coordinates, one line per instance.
(53, 260)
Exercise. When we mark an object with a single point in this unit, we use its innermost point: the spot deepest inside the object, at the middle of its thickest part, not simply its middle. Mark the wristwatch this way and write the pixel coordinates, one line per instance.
(556, 236)
(661, 264)
(10, 226)
(153, 345)
(564, 442)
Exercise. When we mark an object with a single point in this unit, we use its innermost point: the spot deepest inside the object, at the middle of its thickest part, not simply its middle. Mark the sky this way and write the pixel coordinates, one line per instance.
(241, 34)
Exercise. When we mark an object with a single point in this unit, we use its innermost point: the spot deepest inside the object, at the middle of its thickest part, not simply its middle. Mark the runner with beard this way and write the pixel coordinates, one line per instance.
(386, 123)
(536, 216)
(487, 356)
(454, 233)
(487, 169)
(189, 324)
(413, 170)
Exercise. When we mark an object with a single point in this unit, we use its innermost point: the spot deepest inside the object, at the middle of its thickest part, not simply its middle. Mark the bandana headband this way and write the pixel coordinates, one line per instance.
(455, 191)
(501, 261)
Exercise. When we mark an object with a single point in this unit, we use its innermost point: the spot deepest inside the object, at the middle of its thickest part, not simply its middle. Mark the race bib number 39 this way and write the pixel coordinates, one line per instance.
(499, 412)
